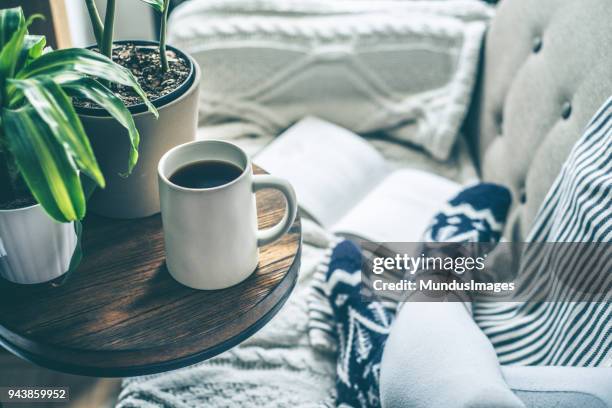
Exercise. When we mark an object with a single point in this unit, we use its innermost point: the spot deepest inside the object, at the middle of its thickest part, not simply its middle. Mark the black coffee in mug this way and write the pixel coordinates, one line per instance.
(205, 174)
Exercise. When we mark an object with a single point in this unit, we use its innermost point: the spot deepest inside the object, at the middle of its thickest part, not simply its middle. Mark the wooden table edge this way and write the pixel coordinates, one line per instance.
(287, 284)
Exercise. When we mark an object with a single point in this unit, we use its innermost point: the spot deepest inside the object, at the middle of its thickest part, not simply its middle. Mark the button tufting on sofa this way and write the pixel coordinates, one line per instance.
(536, 94)
(523, 196)
(537, 44)
(499, 121)
(566, 110)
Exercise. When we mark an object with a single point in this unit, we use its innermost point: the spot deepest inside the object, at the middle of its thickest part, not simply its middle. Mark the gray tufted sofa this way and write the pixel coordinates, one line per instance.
(547, 67)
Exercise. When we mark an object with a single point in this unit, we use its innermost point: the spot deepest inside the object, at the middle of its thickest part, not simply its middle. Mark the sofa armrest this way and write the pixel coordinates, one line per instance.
(436, 356)
(561, 387)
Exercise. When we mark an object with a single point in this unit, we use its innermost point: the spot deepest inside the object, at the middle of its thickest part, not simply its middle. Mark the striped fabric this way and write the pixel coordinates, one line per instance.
(578, 208)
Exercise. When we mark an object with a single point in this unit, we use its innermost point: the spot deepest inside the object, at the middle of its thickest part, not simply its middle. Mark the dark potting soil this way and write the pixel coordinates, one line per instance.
(17, 203)
(145, 66)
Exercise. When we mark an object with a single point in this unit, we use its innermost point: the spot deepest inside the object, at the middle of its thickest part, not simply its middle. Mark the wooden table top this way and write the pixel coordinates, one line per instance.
(122, 314)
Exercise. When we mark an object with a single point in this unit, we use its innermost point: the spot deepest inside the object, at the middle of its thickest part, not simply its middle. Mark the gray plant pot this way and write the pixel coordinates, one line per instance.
(137, 196)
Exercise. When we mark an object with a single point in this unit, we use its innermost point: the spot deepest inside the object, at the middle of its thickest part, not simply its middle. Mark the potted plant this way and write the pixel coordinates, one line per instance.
(170, 78)
(45, 154)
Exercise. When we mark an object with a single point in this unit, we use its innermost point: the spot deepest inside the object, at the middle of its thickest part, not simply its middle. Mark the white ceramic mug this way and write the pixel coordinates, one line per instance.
(211, 234)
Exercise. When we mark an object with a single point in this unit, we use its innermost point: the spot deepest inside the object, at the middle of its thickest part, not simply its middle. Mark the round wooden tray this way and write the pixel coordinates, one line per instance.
(122, 314)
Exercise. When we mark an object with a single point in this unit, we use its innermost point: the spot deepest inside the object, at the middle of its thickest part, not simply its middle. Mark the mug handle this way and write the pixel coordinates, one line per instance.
(269, 235)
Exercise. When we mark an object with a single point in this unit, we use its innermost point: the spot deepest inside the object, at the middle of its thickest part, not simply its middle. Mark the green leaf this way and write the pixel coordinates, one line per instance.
(11, 49)
(11, 20)
(45, 165)
(77, 255)
(32, 48)
(61, 63)
(91, 89)
(158, 5)
(56, 110)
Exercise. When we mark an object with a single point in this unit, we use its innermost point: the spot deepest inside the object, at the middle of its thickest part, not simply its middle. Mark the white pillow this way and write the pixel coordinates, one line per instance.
(405, 68)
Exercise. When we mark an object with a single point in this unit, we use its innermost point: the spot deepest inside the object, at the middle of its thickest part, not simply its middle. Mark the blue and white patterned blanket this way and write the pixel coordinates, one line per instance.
(361, 328)
(476, 214)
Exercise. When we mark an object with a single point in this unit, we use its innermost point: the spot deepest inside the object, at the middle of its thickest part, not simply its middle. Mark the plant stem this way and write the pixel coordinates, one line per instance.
(109, 24)
(162, 37)
(96, 22)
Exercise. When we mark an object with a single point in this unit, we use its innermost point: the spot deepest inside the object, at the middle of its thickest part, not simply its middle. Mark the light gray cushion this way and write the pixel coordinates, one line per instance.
(406, 68)
(540, 57)
(437, 357)
(561, 387)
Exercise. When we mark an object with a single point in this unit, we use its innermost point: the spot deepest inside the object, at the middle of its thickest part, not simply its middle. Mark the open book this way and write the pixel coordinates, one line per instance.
(346, 185)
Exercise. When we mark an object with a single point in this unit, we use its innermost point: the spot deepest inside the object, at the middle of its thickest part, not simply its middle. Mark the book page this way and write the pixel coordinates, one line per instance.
(330, 168)
(400, 208)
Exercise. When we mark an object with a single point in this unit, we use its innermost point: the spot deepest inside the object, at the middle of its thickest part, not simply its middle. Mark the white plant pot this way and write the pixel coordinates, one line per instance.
(34, 248)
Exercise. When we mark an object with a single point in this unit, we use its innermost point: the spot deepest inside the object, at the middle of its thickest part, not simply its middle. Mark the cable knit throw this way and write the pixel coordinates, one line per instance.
(406, 68)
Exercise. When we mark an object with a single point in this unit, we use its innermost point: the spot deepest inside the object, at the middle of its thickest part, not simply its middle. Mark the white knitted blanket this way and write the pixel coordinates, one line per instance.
(405, 68)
